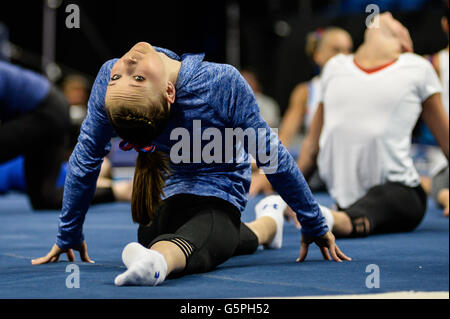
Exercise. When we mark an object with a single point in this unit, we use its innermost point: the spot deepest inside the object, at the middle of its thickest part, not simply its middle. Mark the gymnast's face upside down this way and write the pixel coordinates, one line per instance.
(140, 92)
(141, 67)
(139, 73)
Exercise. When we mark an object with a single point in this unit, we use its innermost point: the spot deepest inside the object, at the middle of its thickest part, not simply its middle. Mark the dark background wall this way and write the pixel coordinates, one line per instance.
(109, 27)
(272, 32)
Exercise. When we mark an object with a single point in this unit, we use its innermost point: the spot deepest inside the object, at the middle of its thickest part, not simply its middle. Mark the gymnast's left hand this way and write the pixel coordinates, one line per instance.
(327, 245)
(55, 252)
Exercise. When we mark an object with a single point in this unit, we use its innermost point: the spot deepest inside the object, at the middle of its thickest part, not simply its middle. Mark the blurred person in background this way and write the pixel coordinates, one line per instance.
(269, 108)
(35, 124)
(321, 46)
(360, 136)
(76, 90)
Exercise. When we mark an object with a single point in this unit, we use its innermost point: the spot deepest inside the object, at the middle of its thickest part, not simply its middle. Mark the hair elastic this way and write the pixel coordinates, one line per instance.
(127, 146)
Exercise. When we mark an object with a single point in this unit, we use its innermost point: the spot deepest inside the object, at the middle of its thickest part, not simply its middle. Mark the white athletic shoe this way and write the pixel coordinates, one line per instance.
(273, 206)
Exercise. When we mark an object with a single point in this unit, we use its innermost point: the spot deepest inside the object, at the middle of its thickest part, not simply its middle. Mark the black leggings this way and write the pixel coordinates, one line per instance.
(42, 137)
(389, 208)
(207, 229)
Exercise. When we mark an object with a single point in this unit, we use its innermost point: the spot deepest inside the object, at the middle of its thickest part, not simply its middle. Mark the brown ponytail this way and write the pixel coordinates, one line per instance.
(139, 122)
(148, 184)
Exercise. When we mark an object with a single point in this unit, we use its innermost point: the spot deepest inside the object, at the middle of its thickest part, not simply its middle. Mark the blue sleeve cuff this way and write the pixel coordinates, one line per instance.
(66, 242)
(315, 232)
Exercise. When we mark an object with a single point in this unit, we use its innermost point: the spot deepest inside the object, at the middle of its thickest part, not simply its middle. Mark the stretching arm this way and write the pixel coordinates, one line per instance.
(85, 163)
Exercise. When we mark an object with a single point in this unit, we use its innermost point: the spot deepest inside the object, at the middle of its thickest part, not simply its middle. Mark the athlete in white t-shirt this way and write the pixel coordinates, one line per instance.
(361, 132)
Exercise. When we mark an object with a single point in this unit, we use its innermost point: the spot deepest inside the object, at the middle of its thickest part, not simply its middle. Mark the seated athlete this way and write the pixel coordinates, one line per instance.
(187, 207)
(361, 133)
(35, 124)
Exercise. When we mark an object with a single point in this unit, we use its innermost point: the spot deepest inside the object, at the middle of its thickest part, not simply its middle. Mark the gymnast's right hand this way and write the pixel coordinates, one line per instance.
(55, 252)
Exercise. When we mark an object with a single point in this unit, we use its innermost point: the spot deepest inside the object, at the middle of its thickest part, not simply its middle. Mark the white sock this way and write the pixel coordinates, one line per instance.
(329, 219)
(133, 252)
(146, 267)
(273, 206)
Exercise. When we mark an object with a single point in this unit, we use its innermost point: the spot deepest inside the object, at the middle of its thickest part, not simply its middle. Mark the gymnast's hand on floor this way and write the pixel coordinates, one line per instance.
(55, 252)
(327, 245)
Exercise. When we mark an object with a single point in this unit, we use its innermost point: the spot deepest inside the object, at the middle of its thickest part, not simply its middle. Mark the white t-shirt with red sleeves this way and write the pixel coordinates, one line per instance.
(368, 122)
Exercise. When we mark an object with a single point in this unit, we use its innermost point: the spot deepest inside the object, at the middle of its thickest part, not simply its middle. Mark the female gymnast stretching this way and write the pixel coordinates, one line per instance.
(148, 97)
(361, 133)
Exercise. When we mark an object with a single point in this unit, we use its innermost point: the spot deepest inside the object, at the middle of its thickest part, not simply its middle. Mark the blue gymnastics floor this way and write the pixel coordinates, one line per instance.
(417, 261)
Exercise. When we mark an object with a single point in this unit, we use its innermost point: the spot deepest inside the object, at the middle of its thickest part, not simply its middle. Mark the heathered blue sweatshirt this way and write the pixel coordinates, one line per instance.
(215, 96)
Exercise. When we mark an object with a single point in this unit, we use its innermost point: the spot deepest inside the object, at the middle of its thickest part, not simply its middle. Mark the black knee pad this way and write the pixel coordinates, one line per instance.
(358, 220)
(360, 229)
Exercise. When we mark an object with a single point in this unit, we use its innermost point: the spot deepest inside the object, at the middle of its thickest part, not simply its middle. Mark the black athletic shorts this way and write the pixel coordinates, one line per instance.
(390, 208)
(209, 225)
